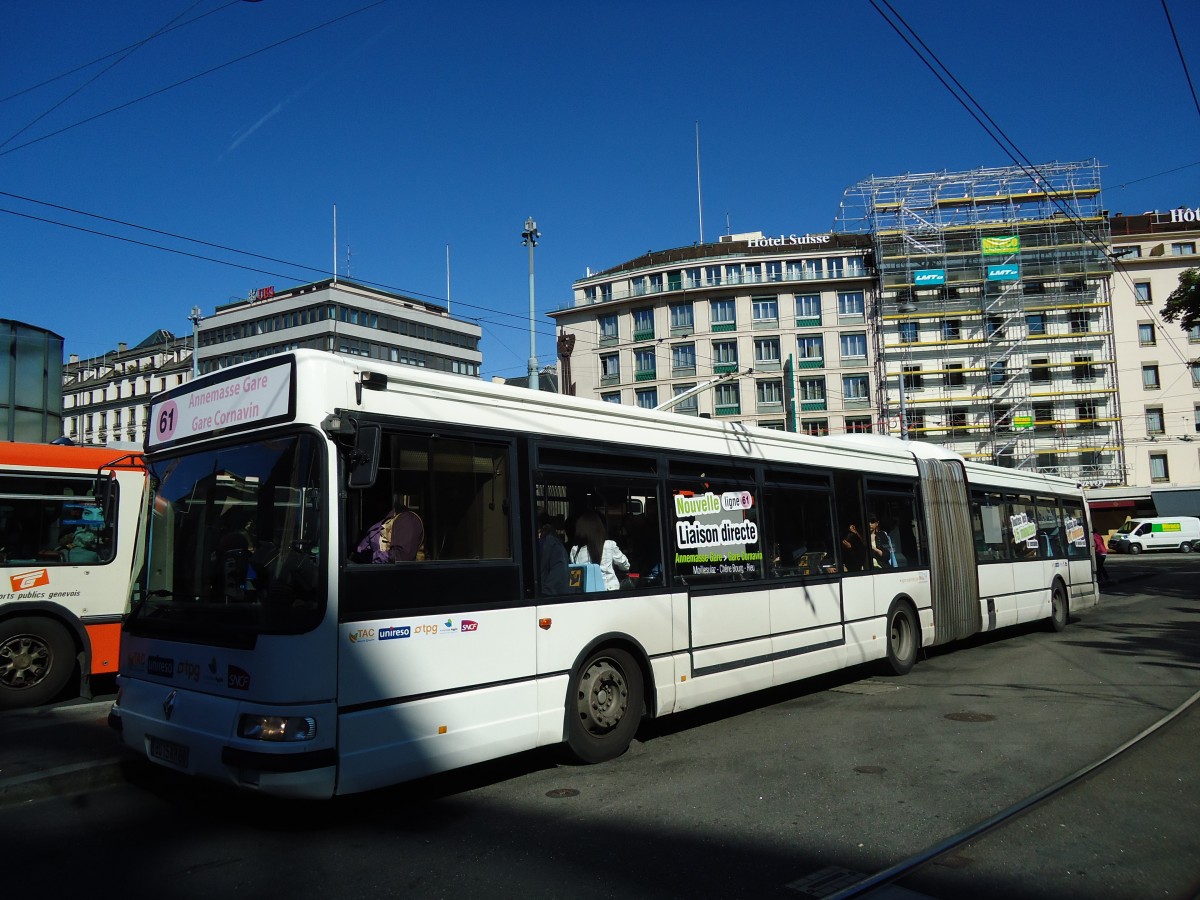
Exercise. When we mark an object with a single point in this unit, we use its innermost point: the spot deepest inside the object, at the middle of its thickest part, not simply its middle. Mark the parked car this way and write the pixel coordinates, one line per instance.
(1167, 533)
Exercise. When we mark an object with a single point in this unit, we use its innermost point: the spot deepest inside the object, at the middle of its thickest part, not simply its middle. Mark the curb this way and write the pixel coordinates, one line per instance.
(76, 777)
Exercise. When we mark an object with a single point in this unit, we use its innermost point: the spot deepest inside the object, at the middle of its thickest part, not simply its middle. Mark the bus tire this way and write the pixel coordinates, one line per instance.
(1060, 607)
(605, 706)
(37, 657)
(903, 638)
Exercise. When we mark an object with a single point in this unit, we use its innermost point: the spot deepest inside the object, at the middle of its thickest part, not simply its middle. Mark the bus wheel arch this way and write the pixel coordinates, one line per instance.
(1060, 605)
(606, 701)
(38, 656)
(903, 636)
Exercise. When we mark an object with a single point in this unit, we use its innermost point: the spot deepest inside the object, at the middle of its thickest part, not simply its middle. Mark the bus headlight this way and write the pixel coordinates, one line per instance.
(283, 729)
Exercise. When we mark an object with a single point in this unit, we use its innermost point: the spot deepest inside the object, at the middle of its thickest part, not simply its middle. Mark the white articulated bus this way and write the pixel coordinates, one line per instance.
(68, 557)
(278, 641)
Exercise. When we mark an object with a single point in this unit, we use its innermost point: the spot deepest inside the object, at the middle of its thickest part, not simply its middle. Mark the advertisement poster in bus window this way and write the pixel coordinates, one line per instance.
(716, 535)
(1075, 532)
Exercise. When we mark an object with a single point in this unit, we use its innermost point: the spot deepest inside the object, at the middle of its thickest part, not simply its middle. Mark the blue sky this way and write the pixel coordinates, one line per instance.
(448, 124)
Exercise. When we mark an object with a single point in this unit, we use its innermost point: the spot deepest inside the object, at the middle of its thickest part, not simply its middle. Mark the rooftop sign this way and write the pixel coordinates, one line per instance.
(788, 240)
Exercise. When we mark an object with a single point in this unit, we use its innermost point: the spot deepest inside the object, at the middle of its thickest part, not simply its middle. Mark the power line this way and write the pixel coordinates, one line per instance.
(191, 78)
(129, 52)
(100, 59)
(1183, 62)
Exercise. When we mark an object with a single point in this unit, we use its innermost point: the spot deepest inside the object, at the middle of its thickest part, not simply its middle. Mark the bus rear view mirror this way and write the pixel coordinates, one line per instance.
(364, 460)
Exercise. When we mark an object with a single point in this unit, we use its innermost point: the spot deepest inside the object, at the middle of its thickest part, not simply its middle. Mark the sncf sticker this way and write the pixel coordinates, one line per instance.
(468, 625)
(27, 580)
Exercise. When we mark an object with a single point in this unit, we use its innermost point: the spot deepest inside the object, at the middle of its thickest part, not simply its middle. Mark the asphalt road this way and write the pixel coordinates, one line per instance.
(764, 797)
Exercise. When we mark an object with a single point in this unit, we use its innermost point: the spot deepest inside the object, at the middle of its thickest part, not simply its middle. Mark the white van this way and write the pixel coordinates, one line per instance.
(1169, 533)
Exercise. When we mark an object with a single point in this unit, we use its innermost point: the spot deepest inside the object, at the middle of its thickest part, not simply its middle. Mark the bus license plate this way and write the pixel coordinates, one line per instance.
(169, 752)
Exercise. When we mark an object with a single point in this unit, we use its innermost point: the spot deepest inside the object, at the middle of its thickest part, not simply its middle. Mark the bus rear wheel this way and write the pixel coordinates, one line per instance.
(605, 706)
(903, 638)
(1060, 608)
(36, 660)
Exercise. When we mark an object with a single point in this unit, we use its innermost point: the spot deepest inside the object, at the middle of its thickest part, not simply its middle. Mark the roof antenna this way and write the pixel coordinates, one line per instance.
(699, 203)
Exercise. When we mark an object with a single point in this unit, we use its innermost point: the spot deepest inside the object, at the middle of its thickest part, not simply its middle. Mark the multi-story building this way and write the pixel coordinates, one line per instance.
(1158, 363)
(765, 315)
(340, 317)
(993, 332)
(106, 398)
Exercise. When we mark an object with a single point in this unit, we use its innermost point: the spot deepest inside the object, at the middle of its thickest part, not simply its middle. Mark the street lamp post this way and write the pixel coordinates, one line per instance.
(529, 238)
(196, 318)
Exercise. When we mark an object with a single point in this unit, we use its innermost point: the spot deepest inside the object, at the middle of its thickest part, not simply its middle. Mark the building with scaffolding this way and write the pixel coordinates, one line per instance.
(992, 328)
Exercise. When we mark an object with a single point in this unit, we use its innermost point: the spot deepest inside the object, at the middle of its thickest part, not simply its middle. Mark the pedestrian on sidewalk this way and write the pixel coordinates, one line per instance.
(1101, 553)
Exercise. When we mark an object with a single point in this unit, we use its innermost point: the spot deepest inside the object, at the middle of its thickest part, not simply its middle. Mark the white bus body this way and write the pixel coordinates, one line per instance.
(68, 559)
(264, 650)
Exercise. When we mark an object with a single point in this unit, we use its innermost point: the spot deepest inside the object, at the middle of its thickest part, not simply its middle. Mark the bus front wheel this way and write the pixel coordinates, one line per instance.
(36, 660)
(605, 706)
(903, 638)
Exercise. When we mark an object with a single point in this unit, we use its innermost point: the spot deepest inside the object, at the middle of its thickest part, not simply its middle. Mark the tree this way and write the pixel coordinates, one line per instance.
(1184, 302)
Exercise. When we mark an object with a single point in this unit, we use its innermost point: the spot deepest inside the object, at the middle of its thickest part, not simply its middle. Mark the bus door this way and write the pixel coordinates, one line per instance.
(1078, 538)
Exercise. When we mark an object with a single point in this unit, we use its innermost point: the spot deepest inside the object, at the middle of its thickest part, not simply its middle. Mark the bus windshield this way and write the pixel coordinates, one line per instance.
(234, 545)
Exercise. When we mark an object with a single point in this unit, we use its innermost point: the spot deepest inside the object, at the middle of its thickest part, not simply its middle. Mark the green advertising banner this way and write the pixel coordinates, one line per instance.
(996, 246)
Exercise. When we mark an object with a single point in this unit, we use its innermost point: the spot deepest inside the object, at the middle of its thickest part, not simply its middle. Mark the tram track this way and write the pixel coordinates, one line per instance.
(879, 884)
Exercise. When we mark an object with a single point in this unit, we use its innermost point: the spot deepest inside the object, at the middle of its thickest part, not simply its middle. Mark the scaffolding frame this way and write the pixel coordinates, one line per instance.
(996, 282)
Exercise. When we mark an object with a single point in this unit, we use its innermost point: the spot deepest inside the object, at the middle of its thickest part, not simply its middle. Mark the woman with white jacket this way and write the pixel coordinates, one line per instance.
(592, 546)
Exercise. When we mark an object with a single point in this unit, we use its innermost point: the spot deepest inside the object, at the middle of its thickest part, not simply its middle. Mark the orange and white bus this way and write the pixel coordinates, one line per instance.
(67, 552)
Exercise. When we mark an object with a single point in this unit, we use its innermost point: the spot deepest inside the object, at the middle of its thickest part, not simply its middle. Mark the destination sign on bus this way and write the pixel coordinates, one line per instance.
(251, 398)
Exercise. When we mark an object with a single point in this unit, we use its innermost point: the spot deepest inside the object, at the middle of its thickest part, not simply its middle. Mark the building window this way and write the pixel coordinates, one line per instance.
(811, 391)
(1039, 370)
(1128, 251)
(691, 278)
(1043, 417)
(722, 315)
(810, 348)
(1184, 248)
(656, 283)
(997, 372)
(728, 399)
(915, 421)
(1081, 322)
(951, 329)
(815, 427)
(766, 353)
(682, 320)
(1158, 467)
(753, 273)
(908, 332)
(770, 393)
(688, 407)
(1194, 334)
(1035, 323)
(957, 420)
(913, 380)
(765, 312)
(712, 276)
(643, 324)
(808, 309)
(1197, 413)
(851, 305)
(1154, 420)
(644, 365)
(1150, 377)
(954, 374)
(1195, 370)
(1146, 334)
(774, 271)
(725, 356)
(1082, 364)
(1141, 291)
(995, 328)
(610, 368)
(647, 398)
(683, 359)
(854, 346)
(858, 425)
(611, 397)
(856, 388)
(609, 333)
(1085, 412)
(733, 274)
(606, 292)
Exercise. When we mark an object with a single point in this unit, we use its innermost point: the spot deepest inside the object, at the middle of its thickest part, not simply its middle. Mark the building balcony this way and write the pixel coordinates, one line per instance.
(724, 326)
(811, 362)
(729, 409)
(812, 405)
(724, 368)
(646, 334)
(645, 375)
